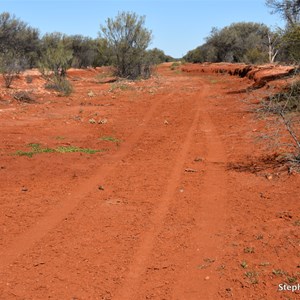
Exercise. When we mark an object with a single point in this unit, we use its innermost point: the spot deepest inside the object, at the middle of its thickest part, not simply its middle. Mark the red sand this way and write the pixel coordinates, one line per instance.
(177, 215)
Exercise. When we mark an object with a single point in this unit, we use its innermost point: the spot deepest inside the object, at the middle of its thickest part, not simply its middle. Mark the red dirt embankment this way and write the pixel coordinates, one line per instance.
(259, 74)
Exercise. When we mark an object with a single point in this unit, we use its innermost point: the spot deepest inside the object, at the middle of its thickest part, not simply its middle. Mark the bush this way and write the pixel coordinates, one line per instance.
(61, 85)
(128, 39)
(24, 97)
(10, 66)
(288, 99)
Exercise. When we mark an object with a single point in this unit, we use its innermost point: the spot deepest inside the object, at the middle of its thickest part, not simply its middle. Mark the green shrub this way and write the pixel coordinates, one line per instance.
(61, 85)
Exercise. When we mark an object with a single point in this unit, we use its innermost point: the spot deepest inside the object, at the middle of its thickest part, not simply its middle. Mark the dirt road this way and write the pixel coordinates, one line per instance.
(158, 215)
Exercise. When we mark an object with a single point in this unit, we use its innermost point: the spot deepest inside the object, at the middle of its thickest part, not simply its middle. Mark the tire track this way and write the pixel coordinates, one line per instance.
(194, 283)
(26, 240)
(132, 281)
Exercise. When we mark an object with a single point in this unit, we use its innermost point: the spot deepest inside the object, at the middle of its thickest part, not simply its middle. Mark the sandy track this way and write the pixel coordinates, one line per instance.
(70, 202)
(164, 225)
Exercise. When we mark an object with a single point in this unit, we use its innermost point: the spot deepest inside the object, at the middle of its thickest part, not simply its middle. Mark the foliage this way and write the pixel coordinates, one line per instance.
(240, 42)
(288, 9)
(60, 84)
(10, 66)
(56, 55)
(128, 39)
(291, 43)
(105, 55)
(36, 149)
(56, 59)
(288, 99)
(17, 36)
(285, 106)
(84, 51)
(157, 56)
(196, 56)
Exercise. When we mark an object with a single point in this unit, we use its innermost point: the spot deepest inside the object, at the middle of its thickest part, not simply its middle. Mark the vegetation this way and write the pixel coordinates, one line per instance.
(18, 47)
(123, 43)
(288, 9)
(55, 60)
(253, 42)
(128, 40)
(36, 149)
(110, 139)
(240, 42)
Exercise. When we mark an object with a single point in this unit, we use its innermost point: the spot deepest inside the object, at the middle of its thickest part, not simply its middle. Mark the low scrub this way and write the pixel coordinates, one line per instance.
(288, 99)
(61, 85)
(37, 149)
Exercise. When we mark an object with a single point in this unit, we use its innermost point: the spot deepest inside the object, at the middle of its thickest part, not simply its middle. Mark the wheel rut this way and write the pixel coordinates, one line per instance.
(138, 267)
(26, 240)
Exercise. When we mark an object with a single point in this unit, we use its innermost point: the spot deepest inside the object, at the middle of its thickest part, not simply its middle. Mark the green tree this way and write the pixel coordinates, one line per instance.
(56, 55)
(105, 54)
(56, 58)
(17, 36)
(84, 51)
(239, 42)
(291, 43)
(157, 56)
(11, 64)
(128, 39)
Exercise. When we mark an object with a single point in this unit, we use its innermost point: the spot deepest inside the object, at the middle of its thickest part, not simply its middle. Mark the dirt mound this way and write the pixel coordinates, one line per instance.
(260, 74)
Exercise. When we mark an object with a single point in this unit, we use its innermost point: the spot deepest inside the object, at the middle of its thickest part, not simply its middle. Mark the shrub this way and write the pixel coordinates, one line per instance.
(288, 99)
(10, 66)
(128, 39)
(61, 85)
(23, 97)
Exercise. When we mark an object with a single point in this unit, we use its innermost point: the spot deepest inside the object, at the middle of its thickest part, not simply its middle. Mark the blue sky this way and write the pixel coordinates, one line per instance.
(177, 25)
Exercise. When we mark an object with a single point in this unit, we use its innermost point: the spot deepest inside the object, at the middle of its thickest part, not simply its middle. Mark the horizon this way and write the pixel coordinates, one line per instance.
(177, 26)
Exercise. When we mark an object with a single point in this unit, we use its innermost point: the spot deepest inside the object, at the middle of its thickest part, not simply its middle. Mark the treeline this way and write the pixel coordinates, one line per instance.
(254, 43)
(22, 45)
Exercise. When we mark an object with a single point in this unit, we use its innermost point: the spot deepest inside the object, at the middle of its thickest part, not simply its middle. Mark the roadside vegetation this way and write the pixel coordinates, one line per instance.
(37, 149)
(22, 47)
(254, 43)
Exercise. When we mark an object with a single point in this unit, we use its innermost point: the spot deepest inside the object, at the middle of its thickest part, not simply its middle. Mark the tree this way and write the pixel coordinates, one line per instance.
(105, 55)
(195, 56)
(56, 58)
(128, 39)
(11, 64)
(157, 56)
(288, 9)
(56, 55)
(291, 43)
(19, 47)
(17, 36)
(84, 51)
(239, 42)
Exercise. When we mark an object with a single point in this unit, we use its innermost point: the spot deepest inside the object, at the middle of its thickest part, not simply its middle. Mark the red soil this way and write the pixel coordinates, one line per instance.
(180, 207)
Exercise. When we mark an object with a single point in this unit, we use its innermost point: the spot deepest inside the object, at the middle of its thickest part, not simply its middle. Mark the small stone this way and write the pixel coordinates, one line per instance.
(91, 94)
(206, 278)
(198, 159)
(24, 189)
(102, 121)
(188, 170)
(269, 177)
(92, 121)
(100, 188)
(166, 122)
